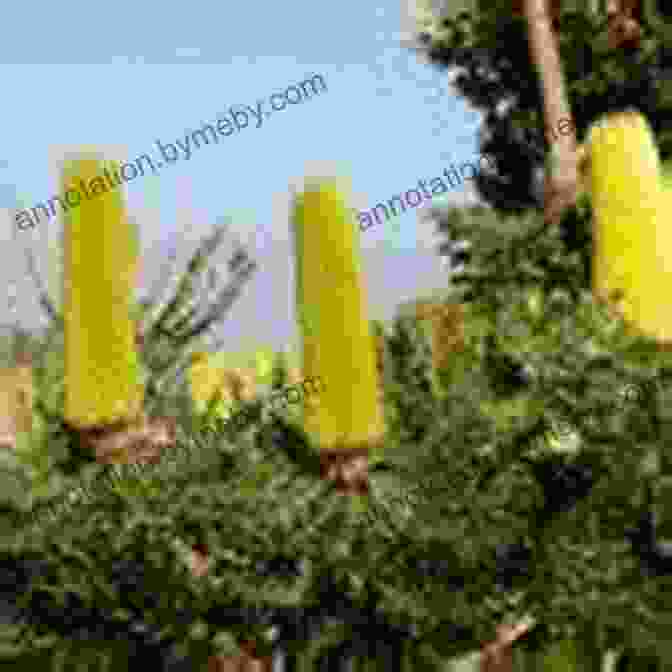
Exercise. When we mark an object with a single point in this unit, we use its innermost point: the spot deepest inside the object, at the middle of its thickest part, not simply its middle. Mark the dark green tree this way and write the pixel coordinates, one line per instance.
(407, 374)
(485, 44)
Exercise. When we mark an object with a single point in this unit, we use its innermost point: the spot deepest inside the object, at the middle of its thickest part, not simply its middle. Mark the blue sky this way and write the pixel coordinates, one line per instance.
(122, 77)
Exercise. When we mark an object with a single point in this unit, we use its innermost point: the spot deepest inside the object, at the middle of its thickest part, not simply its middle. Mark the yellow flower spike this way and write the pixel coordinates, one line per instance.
(206, 379)
(199, 357)
(338, 347)
(630, 228)
(263, 365)
(99, 269)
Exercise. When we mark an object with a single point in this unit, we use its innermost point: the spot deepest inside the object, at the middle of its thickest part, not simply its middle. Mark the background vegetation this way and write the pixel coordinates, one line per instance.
(510, 525)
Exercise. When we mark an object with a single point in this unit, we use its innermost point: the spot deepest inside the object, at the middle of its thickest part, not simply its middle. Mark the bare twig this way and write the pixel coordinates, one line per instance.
(225, 300)
(45, 301)
(195, 266)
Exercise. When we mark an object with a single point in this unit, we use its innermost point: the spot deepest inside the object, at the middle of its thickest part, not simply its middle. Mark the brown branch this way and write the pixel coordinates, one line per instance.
(142, 441)
(561, 179)
(624, 23)
(348, 467)
(248, 660)
(497, 656)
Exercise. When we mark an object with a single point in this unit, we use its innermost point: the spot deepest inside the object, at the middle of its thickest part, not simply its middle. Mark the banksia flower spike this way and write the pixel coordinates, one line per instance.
(263, 366)
(102, 375)
(630, 229)
(338, 346)
(208, 383)
(204, 379)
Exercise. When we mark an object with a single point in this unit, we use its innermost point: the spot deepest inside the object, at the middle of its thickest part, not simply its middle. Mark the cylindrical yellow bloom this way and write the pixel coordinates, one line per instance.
(102, 377)
(263, 366)
(630, 228)
(207, 380)
(338, 347)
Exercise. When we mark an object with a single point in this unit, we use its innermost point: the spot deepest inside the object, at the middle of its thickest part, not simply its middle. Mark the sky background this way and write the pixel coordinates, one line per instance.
(122, 77)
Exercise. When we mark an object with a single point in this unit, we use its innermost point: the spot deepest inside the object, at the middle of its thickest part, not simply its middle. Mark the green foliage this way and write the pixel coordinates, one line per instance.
(285, 513)
(478, 518)
(542, 354)
(408, 380)
(279, 375)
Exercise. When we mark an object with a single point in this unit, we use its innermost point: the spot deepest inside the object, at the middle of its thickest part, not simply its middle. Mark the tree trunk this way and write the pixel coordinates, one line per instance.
(560, 192)
(562, 174)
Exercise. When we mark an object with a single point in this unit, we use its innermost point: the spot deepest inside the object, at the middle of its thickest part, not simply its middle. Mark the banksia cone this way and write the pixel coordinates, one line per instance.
(630, 230)
(338, 346)
(263, 366)
(102, 376)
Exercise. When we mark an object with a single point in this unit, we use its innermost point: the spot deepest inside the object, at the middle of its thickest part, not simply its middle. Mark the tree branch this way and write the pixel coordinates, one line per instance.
(45, 301)
(562, 175)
